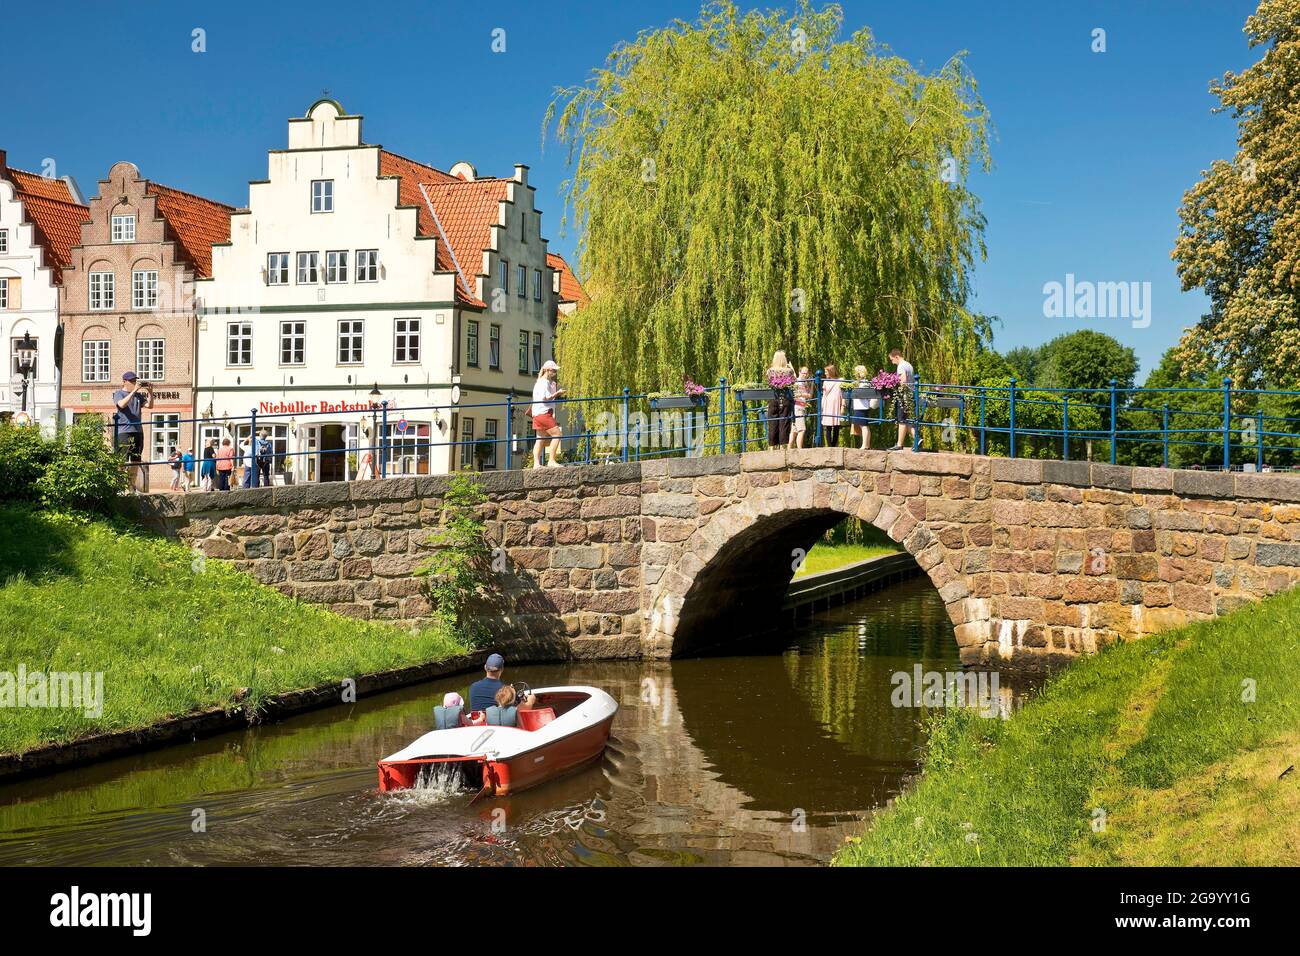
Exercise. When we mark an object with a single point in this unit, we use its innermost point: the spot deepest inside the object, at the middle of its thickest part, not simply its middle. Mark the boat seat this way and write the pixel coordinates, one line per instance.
(444, 718)
(536, 719)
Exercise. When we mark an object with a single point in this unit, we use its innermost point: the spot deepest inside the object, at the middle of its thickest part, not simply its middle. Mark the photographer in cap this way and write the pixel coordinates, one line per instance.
(128, 431)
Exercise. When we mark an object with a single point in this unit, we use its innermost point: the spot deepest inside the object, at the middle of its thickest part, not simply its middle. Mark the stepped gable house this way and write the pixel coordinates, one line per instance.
(128, 303)
(40, 221)
(357, 276)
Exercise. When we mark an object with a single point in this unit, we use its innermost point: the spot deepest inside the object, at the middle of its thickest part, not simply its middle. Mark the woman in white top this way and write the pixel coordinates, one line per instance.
(861, 417)
(545, 392)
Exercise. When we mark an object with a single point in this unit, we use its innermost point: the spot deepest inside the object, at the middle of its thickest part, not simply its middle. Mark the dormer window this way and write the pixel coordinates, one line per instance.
(124, 228)
(322, 195)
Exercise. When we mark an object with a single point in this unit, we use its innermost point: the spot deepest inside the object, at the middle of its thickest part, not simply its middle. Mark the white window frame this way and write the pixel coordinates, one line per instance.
(490, 434)
(239, 333)
(472, 338)
(537, 285)
(4, 292)
(123, 227)
(525, 349)
(144, 289)
(367, 265)
(505, 276)
(336, 266)
(322, 195)
(537, 352)
(293, 339)
(94, 360)
(351, 340)
(162, 426)
(309, 262)
(467, 441)
(277, 268)
(150, 359)
(4, 242)
(103, 291)
(406, 333)
(494, 346)
(521, 274)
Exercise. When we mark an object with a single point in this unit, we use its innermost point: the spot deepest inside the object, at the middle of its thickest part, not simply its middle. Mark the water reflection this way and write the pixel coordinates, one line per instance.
(758, 759)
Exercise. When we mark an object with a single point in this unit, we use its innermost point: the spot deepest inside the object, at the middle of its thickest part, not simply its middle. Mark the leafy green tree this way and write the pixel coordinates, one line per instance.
(85, 474)
(74, 469)
(750, 181)
(1240, 235)
(457, 568)
(1089, 360)
(1025, 362)
(1189, 401)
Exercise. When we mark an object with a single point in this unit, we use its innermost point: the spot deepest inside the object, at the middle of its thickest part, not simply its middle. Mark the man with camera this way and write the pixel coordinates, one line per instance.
(128, 429)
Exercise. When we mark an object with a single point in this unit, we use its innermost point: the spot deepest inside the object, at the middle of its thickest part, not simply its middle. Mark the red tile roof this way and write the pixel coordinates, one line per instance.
(571, 289)
(56, 217)
(410, 174)
(467, 211)
(194, 223)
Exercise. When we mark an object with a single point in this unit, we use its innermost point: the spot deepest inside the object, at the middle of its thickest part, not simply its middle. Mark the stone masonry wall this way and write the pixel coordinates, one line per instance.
(1035, 560)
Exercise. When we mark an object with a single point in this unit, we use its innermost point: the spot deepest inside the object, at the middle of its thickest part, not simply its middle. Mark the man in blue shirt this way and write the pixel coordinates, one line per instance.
(128, 433)
(483, 693)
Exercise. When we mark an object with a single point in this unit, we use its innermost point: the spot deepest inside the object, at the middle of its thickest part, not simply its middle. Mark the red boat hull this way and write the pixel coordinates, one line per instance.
(510, 775)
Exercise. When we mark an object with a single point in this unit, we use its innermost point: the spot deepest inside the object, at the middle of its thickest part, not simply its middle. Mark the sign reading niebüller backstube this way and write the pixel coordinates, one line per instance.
(303, 408)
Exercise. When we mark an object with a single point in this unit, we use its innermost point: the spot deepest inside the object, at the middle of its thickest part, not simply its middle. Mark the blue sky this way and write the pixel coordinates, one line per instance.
(1093, 151)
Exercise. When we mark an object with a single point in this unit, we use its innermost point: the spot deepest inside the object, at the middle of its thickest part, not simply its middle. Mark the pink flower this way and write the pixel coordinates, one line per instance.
(780, 379)
(886, 381)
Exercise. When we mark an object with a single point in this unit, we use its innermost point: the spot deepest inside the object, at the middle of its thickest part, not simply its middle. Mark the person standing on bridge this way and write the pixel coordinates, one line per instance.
(780, 408)
(903, 398)
(545, 392)
(832, 405)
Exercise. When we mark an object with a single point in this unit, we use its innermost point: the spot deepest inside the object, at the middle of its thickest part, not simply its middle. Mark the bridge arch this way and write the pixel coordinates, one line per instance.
(743, 556)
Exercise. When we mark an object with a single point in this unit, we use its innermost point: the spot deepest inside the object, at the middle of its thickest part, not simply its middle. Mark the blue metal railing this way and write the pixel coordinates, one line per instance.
(1231, 428)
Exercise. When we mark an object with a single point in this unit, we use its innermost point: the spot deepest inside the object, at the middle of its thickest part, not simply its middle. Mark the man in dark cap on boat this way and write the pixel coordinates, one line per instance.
(483, 693)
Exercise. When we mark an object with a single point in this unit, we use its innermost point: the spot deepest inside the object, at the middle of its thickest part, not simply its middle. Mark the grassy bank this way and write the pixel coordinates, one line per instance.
(1171, 750)
(170, 634)
(829, 556)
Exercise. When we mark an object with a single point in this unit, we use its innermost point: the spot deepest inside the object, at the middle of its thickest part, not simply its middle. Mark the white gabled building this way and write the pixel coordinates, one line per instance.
(355, 269)
(40, 221)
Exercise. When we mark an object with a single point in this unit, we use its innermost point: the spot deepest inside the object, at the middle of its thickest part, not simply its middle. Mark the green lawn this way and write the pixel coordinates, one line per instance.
(1150, 753)
(170, 634)
(828, 557)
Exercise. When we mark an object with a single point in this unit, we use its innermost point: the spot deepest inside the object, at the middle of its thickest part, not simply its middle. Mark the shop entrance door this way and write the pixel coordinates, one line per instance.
(333, 453)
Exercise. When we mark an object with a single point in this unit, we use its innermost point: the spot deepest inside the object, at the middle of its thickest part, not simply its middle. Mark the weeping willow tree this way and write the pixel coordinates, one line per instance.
(749, 182)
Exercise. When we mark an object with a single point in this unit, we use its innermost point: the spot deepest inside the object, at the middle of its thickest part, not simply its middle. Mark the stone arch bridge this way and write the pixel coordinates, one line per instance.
(1034, 560)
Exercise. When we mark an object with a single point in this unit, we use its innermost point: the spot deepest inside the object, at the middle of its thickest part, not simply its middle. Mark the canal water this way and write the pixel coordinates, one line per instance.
(768, 758)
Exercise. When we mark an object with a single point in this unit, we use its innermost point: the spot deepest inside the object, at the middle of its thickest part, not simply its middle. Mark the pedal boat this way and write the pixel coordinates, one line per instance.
(567, 729)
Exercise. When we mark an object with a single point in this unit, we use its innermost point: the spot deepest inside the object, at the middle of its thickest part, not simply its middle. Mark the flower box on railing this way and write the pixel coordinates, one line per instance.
(765, 394)
(679, 401)
(867, 394)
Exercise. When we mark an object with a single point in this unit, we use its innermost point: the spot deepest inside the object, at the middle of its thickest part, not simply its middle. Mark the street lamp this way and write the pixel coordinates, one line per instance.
(26, 362)
(375, 397)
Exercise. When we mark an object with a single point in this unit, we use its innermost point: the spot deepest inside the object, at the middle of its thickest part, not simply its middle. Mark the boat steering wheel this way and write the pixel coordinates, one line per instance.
(522, 690)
